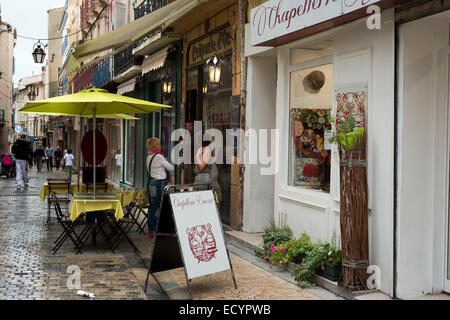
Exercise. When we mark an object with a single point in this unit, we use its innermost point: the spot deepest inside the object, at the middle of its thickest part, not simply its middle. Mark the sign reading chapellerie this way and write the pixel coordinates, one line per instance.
(276, 18)
(217, 43)
(200, 233)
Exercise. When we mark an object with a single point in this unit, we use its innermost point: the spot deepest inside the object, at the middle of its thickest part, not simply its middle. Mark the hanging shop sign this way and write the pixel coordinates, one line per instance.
(208, 46)
(277, 18)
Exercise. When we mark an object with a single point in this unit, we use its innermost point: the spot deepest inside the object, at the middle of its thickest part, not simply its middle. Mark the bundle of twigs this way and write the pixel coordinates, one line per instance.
(354, 213)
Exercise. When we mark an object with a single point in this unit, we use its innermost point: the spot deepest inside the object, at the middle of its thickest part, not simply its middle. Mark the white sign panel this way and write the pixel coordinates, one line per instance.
(200, 233)
(276, 18)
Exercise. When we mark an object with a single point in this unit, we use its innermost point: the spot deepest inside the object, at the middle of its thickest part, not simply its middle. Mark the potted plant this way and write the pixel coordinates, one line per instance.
(320, 258)
(273, 236)
(331, 269)
(296, 249)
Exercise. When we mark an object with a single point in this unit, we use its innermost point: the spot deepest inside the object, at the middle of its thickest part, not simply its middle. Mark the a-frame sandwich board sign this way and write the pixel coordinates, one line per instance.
(189, 234)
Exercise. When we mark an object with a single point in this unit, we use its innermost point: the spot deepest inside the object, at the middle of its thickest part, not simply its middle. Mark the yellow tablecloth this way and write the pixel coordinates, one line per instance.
(74, 188)
(126, 196)
(78, 206)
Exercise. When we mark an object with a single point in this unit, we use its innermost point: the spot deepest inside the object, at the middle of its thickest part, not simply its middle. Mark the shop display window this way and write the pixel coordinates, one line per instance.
(310, 128)
(130, 126)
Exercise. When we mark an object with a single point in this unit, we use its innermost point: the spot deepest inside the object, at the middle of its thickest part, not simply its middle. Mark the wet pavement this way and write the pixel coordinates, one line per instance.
(29, 270)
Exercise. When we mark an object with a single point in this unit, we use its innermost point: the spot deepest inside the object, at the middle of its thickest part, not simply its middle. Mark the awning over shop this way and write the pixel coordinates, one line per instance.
(154, 43)
(200, 13)
(155, 61)
(127, 86)
(136, 30)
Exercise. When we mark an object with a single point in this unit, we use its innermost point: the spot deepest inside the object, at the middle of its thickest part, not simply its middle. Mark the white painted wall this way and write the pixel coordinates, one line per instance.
(261, 97)
(423, 162)
(359, 55)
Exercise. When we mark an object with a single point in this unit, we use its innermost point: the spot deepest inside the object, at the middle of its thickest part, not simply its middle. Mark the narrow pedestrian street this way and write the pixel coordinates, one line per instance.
(29, 270)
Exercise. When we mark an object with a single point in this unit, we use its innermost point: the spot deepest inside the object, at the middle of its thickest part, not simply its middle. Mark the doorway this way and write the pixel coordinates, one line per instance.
(423, 157)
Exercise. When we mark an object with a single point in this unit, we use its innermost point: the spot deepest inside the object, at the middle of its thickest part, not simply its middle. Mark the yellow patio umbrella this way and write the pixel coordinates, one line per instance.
(91, 103)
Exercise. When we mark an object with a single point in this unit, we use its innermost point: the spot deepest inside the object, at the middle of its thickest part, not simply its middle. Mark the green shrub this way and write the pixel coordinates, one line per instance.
(274, 236)
(318, 255)
(296, 249)
(289, 251)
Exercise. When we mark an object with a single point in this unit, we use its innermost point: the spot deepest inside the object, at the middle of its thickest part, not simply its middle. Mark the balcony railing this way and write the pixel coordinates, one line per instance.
(148, 6)
(102, 73)
(84, 79)
(125, 60)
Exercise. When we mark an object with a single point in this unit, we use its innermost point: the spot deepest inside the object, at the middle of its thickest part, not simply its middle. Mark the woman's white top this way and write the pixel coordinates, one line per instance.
(159, 166)
(68, 157)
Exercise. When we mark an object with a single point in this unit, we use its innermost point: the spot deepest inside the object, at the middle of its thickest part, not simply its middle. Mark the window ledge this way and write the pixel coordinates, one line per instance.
(311, 202)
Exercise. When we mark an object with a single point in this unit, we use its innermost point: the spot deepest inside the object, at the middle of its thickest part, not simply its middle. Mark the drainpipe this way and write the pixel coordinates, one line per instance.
(243, 7)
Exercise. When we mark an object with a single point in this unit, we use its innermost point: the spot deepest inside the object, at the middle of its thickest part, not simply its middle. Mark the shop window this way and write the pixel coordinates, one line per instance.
(116, 152)
(130, 126)
(309, 150)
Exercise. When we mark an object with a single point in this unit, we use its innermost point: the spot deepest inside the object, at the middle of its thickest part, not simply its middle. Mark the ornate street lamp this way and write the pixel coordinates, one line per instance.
(214, 67)
(31, 94)
(38, 52)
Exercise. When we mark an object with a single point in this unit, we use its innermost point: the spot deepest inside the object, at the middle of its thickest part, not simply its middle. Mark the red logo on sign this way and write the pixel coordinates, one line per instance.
(202, 242)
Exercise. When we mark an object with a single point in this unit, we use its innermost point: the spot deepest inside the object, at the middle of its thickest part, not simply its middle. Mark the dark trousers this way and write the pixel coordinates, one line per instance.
(155, 189)
(50, 163)
(57, 163)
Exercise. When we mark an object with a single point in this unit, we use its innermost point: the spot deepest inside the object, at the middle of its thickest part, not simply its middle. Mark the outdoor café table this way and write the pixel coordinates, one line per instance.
(74, 188)
(85, 202)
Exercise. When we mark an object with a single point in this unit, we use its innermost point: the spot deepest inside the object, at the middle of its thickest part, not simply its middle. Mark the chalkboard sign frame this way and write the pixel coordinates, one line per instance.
(166, 252)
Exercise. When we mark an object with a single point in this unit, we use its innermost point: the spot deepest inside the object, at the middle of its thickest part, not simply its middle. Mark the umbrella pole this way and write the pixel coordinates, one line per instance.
(94, 125)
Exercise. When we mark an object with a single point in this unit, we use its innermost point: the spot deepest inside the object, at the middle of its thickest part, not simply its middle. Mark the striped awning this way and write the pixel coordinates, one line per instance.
(155, 61)
(127, 86)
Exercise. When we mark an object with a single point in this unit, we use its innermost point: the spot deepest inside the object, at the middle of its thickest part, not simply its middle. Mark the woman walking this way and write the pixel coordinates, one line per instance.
(157, 168)
(68, 163)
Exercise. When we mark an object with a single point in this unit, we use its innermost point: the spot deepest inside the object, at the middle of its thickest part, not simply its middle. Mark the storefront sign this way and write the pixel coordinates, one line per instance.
(200, 233)
(276, 18)
(217, 43)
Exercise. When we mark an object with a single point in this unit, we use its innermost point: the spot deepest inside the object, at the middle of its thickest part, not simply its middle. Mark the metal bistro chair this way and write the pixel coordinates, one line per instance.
(60, 186)
(69, 227)
(139, 212)
(121, 228)
(132, 212)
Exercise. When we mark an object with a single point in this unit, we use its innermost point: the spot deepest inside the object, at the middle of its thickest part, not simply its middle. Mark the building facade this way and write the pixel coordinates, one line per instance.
(400, 64)
(7, 43)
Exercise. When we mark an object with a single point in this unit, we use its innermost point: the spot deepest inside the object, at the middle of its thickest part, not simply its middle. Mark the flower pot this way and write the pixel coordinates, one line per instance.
(299, 258)
(331, 271)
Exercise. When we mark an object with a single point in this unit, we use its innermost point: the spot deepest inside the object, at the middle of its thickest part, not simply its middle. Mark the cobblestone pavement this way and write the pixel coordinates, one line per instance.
(29, 270)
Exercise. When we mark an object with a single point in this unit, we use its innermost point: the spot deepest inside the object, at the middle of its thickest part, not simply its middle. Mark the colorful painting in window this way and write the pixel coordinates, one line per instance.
(311, 159)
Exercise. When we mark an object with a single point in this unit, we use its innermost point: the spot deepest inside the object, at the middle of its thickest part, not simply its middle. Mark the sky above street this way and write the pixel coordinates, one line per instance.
(30, 18)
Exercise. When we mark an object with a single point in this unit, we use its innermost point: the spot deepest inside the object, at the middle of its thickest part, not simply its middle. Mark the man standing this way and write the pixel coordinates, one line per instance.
(49, 155)
(58, 157)
(22, 152)
(39, 154)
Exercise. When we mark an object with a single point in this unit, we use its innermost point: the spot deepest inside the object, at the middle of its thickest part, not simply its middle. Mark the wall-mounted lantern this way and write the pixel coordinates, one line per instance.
(214, 67)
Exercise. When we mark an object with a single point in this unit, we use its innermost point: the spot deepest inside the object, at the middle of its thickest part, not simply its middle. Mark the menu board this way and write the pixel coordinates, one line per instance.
(200, 233)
